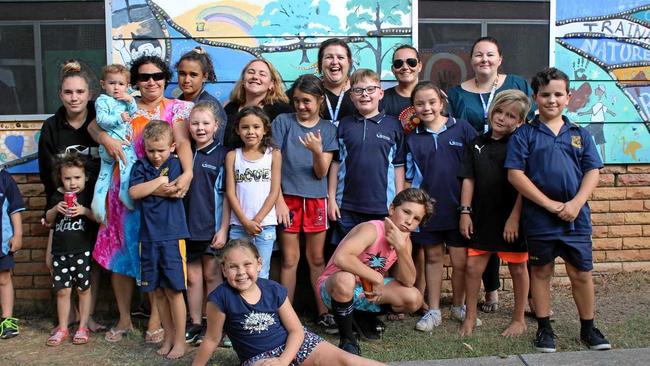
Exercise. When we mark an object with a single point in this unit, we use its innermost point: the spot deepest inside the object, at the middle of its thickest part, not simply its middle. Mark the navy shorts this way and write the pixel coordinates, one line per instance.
(196, 249)
(350, 219)
(574, 249)
(163, 265)
(450, 237)
(7, 262)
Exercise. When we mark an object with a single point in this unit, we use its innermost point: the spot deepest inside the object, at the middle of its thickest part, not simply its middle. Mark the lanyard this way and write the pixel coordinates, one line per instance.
(486, 106)
(334, 114)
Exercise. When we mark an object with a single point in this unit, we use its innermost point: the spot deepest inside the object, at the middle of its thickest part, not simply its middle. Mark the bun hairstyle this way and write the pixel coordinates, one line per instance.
(73, 68)
(199, 55)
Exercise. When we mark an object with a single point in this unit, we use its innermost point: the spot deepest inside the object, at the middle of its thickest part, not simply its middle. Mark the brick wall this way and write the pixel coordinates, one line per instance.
(620, 215)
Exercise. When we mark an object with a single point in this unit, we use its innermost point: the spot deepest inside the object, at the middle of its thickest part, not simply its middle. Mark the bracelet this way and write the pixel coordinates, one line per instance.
(465, 209)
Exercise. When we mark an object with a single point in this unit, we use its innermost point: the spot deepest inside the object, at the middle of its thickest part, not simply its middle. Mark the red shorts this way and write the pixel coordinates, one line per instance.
(510, 257)
(307, 214)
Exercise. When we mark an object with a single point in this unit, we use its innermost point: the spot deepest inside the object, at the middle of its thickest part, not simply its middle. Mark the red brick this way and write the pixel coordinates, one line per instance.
(19, 178)
(607, 243)
(22, 281)
(636, 243)
(598, 231)
(599, 256)
(33, 294)
(33, 178)
(31, 242)
(38, 230)
(636, 266)
(36, 203)
(30, 216)
(608, 193)
(638, 192)
(31, 269)
(38, 255)
(607, 218)
(31, 189)
(599, 206)
(633, 180)
(22, 256)
(641, 168)
(42, 282)
(626, 206)
(606, 180)
(617, 169)
(646, 230)
(637, 217)
(607, 268)
(623, 255)
(625, 230)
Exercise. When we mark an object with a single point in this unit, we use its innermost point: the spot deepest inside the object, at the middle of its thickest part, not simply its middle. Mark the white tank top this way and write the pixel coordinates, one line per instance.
(253, 185)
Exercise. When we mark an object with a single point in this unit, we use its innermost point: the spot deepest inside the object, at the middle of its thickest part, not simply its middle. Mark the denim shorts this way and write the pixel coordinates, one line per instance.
(262, 241)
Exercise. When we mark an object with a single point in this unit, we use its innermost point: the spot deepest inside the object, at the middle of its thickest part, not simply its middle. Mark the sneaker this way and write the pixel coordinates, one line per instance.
(225, 342)
(350, 347)
(545, 340)
(9, 328)
(595, 340)
(432, 318)
(327, 322)
(366, 326)
(192, 332)
(458, 313)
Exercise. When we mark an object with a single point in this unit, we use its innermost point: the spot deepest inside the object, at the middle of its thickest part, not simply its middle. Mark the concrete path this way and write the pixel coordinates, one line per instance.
(617, 357)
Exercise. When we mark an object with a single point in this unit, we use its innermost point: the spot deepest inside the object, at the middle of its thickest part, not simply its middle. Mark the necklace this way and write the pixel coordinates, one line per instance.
(494, 85)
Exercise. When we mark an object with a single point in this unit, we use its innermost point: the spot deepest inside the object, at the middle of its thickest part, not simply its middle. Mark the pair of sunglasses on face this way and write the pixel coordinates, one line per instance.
(156, 76)
(411, 62)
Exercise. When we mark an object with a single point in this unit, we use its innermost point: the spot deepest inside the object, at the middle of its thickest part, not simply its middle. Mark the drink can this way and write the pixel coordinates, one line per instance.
(367, 286)
(69, 198)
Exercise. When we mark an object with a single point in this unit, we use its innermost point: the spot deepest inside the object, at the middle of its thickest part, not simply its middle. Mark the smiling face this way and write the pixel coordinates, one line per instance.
(74, 94)
(486, 59)
(251, 130)
(202, 127)
(407, 216)
(406, 74)
(505, 119)
(367, 103)
(307, 106)
(257, 79)
(551, 99)
(427, 104)
(158, 150)
(150, 89)
(73, 178)
(240, 268)
(191, 78)
(115, 84)
(335, 65)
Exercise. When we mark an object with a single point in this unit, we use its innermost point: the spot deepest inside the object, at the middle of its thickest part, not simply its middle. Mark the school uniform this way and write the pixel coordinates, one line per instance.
(11, 202)
(163, 228)
(556, 165)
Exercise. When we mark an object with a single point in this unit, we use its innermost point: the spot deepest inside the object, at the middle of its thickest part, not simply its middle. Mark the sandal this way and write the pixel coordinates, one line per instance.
(96, 327)
(81, 336)
(154, 337)
(58, 336)
(115, 334)
(489, 307)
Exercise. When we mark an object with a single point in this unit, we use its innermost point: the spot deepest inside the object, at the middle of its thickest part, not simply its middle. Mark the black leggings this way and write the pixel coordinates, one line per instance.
(491, 274)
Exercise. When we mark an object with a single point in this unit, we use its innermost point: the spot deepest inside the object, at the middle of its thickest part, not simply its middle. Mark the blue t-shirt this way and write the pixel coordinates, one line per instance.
(252, 328)
(161, 218)
(369, 151)
(204, 199)
(432, 163)
(556, 166)
(467, 105)
(298, 177)
(11, 202)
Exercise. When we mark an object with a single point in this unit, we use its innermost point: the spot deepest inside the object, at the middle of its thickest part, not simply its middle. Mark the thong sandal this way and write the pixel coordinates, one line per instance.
(81, 336)
(58, 336)
(154, 337)
(115, 334)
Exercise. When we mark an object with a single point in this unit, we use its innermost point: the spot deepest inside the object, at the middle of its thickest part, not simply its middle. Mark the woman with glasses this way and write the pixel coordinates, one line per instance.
(117, 241)
(406, 67)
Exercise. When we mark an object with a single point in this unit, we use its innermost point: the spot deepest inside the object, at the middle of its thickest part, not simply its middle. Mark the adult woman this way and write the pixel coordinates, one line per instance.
(67, 131)
(117, 241)
(406, 66)
(334, 64)
(260, 85)
(470, 100)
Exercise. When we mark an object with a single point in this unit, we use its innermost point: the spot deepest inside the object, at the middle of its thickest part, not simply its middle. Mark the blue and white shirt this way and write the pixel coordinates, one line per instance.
(12, 202)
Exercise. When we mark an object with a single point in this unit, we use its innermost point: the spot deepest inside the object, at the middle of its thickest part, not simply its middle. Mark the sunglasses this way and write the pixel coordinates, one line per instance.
(368, 89)
(156, 76)
(412, 62)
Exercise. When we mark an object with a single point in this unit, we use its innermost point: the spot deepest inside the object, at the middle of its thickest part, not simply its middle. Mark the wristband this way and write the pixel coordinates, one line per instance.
(465, 209)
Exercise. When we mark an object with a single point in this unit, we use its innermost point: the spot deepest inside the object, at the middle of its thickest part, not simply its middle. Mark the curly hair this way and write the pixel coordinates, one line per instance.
(149, 59)
(67, 161)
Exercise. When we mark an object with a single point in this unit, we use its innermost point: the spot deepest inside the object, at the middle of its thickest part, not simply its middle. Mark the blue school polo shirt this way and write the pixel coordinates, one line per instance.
(204, 200)
(432, 164)
(161, 218)
(369, 151)
(11, 202)
(556, 165)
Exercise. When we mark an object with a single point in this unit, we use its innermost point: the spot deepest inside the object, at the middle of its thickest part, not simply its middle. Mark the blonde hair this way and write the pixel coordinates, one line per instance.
(209, 106)
(156, 130)
(116, 69)
(72, 68)
(362, 74)
(276, 94)
(510, 96)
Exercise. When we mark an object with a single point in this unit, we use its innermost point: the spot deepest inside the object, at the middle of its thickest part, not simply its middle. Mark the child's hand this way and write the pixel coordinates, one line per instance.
(312, 141)
(219, 239)
(511, 230)
(377, 288)
(252, 227)
(163, 179)
(466, 226)
(554, 207)
(62, 208)
(570, 211)
(77, 210)
(394, 236)
(125, 116)
(125, 97)
(15, 243)
(282, 212)
(333, 210)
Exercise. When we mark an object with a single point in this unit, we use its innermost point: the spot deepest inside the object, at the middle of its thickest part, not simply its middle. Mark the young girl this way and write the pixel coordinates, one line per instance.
(253, 183)
(207, 213)
(72, 242)
(491, 208)
(259, 319)
(195, 68)
(434, 151)
(307, 143)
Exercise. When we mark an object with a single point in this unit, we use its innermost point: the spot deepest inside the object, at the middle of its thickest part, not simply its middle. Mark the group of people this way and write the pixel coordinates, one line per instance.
(184, 196)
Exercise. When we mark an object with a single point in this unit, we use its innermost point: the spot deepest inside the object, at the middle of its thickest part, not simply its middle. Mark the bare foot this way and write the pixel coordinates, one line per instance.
(165, 348)
(177, 352)
(467, 328)
(515, 329)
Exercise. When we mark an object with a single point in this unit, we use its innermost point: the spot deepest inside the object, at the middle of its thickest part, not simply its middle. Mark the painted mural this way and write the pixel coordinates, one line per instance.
(286, 32)
(604, 47)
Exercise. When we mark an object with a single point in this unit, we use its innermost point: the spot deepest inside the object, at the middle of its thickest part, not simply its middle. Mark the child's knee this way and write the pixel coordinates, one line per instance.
(517, 269)
(290, 260)
(316, 260)
(63, 292)
(342, 285)
(5, 278)
(433, 254)
(580, 277)
(412, 300)
(542, 273)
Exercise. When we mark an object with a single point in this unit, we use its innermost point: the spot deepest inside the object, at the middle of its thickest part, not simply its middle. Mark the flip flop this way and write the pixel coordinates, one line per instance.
(115, 334)
(154, 337)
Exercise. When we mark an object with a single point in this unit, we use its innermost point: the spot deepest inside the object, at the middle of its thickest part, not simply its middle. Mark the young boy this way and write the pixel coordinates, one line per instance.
(370, 167)
(12, 241)
(554, 164)
(368, 253)
(162, 230)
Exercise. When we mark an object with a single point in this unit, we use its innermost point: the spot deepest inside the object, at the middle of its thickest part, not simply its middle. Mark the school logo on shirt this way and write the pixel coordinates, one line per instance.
(455, 143)
(576, 142)
(209, 166)
(479, 148)
(384, 137)
(258, 322)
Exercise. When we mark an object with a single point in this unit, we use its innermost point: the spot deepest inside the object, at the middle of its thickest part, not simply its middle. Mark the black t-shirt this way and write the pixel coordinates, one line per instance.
(494, 197)
(73, 235)
(347, 107)
(392, 103)
(231, 140)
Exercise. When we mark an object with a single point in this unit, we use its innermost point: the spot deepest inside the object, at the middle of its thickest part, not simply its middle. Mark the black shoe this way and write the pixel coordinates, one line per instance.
(199, 338)
(350, 347)
(545, 340)
(141, 312)
(365, 324)
(595, 340)
(9, 328)
(192, 332)
(327, 322)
